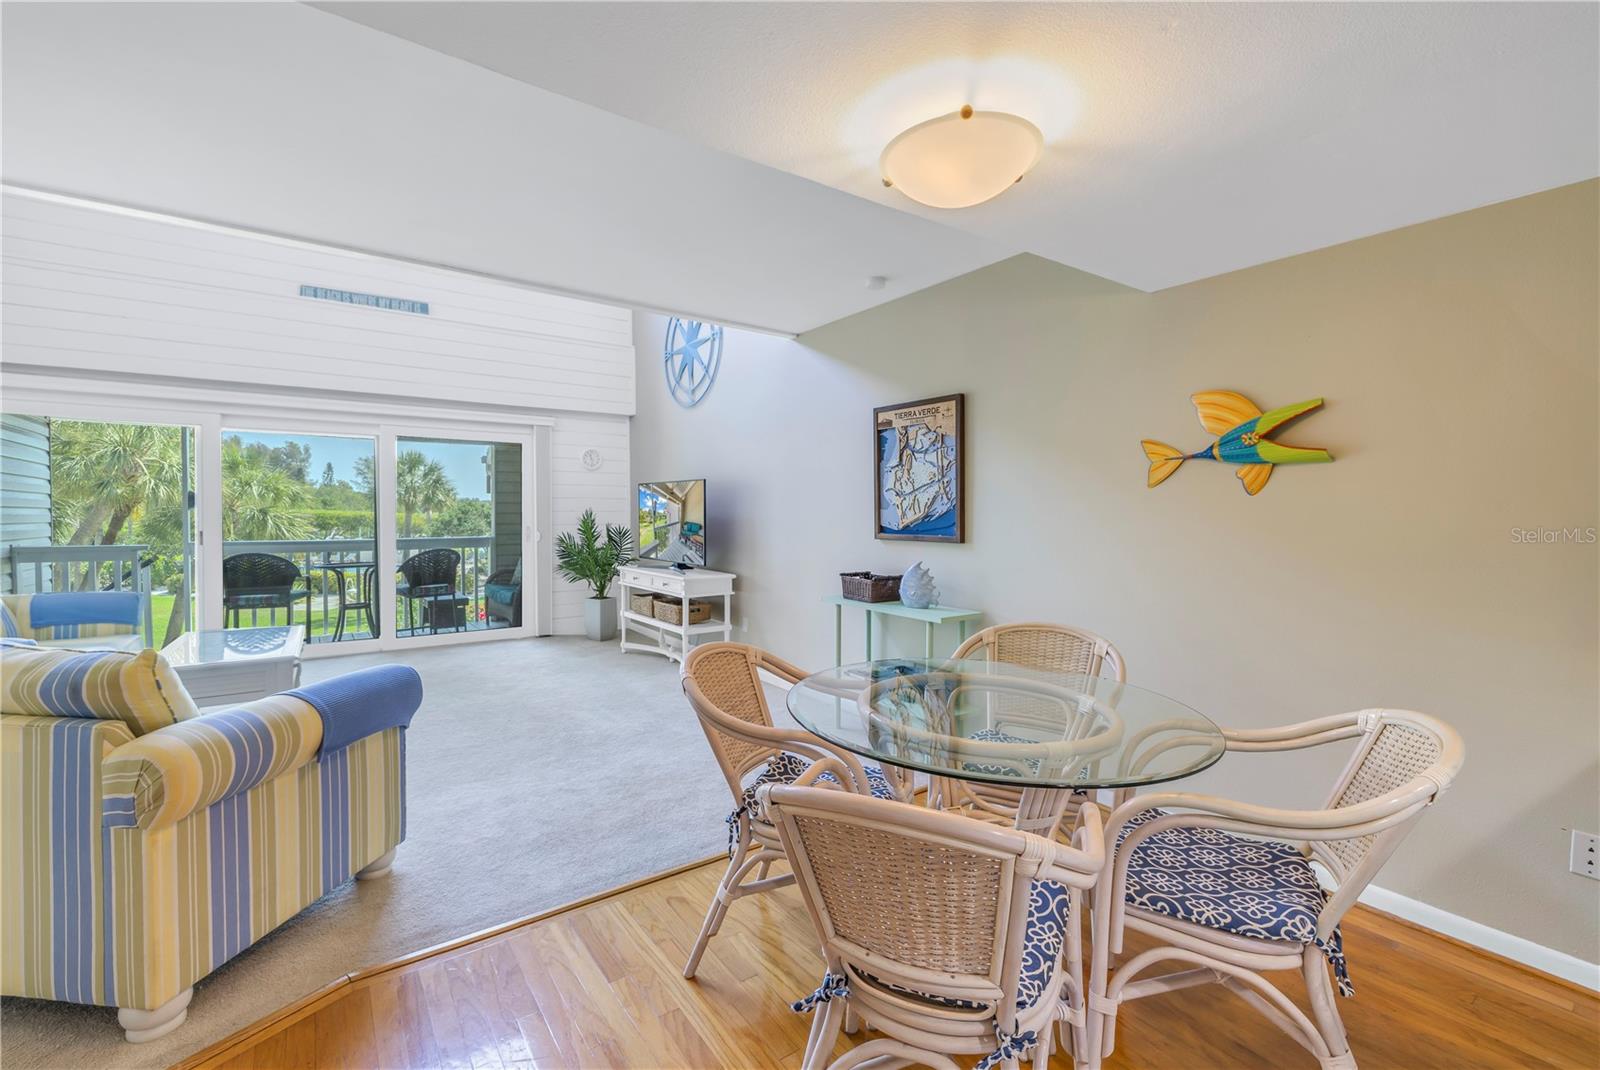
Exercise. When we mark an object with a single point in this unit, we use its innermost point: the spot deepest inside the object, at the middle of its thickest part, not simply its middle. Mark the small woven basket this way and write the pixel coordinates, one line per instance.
(869, 586)
(642, 604)
(671, 611)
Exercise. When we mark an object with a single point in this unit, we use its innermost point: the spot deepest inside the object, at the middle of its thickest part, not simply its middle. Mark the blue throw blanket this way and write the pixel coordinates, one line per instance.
(361, 703)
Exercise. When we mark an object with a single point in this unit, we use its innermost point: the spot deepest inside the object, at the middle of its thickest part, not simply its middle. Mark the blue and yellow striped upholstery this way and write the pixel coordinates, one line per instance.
(132, 865)
(141, 690)
(163, 777)
(70, 614)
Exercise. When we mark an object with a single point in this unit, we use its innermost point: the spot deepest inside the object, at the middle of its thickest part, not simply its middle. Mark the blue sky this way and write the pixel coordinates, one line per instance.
(463, 461)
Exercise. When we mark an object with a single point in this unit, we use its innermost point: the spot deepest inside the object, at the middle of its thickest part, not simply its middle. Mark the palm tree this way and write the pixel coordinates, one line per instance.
(101, 475)
(420, 486)
(260, 501)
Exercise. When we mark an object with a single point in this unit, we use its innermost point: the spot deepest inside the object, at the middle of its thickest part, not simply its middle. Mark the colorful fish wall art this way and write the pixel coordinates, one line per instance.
(1241, 431)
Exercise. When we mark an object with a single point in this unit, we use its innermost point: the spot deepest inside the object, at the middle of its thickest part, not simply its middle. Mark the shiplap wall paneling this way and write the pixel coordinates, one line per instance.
(110, 293)
(605, 489)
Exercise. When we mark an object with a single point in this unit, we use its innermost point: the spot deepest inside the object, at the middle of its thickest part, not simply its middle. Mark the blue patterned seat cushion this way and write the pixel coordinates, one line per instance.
(1049, 907)
(994, 735)
(786, 768)
(1259, 888)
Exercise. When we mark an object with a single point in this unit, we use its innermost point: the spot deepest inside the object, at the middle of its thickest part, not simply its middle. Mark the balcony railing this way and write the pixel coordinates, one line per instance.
(124, 567)
(313, 556)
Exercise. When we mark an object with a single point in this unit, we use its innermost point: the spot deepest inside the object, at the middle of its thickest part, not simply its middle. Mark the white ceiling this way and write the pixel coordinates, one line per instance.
(285, 119)
(1185, 140)
(679, 156)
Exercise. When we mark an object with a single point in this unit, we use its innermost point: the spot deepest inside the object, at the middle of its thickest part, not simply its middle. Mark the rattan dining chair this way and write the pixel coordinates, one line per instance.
(947, 935)
(1049, 648)
(1228, 887)
(723, 684)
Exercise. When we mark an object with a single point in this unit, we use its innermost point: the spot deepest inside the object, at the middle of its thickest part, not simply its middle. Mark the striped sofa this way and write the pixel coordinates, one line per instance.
(143, 844)
(102, 620)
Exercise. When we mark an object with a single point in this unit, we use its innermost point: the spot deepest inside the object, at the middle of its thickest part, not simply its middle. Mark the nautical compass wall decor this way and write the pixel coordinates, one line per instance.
(691, 355)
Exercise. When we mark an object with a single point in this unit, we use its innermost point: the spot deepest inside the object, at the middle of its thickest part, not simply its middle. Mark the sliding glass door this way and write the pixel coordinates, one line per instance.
(368, 535)
(299, 529)
(97, 505)
(461, 514)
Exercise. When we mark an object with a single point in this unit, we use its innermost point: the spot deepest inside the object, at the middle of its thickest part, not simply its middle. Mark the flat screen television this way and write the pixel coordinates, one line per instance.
(672, 523)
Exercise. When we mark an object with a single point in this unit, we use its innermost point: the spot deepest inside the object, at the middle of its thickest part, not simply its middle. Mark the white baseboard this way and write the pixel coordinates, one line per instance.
(1559, 963)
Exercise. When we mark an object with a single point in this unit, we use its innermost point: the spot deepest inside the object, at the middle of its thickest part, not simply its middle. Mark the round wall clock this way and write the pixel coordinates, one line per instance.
(691, 355)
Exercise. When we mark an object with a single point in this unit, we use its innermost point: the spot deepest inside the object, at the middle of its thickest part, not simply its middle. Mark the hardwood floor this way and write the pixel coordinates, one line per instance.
(599, 986)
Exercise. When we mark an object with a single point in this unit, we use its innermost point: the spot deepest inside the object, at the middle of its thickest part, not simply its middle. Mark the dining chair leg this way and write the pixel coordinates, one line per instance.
(1325, 1009)
(826, 1022)
(719, 905)
(1099, 1016)
(1077, 1028)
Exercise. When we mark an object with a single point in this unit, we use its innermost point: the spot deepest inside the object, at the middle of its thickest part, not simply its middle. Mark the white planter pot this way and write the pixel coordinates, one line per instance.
(600, 618)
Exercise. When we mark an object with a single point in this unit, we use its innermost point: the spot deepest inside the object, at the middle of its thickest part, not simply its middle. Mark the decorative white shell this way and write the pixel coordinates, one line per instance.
(917, 589)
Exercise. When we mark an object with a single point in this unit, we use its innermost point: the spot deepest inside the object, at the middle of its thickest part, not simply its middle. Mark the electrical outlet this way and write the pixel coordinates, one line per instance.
(1585, 859)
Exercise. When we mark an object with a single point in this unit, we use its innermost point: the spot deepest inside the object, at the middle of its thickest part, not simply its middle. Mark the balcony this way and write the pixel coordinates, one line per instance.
(331, 572)
(315, 559)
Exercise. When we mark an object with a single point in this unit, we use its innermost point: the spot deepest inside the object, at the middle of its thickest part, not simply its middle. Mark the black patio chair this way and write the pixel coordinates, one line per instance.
(262, 581)
(430, 578)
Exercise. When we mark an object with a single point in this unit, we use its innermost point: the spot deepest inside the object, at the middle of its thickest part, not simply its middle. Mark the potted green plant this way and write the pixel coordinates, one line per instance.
(587, 558)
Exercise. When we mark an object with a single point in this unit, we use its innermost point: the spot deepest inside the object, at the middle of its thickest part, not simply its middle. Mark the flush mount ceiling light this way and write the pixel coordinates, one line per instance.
(961, 159)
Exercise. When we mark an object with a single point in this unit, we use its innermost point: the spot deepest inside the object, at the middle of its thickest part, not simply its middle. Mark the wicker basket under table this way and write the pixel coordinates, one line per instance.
(671, 610)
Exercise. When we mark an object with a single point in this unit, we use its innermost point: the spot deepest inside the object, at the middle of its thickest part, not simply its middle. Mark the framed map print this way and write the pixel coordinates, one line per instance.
(918, 452)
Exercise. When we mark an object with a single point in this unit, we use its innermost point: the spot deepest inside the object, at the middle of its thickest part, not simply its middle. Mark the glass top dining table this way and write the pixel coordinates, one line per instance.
(1047, 733)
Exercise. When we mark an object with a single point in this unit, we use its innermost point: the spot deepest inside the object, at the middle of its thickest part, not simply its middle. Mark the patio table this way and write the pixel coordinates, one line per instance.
(362, 572)
(1049, 734)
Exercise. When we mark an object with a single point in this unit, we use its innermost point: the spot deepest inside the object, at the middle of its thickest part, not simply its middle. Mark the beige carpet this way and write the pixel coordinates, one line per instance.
(541, 771)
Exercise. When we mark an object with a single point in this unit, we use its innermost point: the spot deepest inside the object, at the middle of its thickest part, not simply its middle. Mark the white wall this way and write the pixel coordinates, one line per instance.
(179, 314)
(1459, 360)
(607, 490)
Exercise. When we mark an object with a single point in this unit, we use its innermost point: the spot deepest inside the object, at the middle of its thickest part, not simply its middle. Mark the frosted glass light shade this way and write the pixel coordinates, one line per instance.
(961, 159)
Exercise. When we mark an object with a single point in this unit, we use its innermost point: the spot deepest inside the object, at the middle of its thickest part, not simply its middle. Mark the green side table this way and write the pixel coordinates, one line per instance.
(930, 617)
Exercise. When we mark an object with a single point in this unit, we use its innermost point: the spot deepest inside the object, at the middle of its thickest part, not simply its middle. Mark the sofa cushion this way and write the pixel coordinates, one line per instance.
(137, 688)
(132, 643)
(72, 615)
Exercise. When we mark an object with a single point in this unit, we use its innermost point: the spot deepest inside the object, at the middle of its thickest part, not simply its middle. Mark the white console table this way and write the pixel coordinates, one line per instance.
(652, 636)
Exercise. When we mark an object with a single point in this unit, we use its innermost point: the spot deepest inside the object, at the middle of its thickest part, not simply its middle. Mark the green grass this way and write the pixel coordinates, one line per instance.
(322, 624)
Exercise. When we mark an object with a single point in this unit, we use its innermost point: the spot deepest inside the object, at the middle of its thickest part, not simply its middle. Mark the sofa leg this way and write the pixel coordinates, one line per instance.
(142, 1026)
(378, 867)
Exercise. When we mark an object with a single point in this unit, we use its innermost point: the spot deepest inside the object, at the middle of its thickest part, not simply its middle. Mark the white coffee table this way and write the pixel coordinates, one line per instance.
(237, 664)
